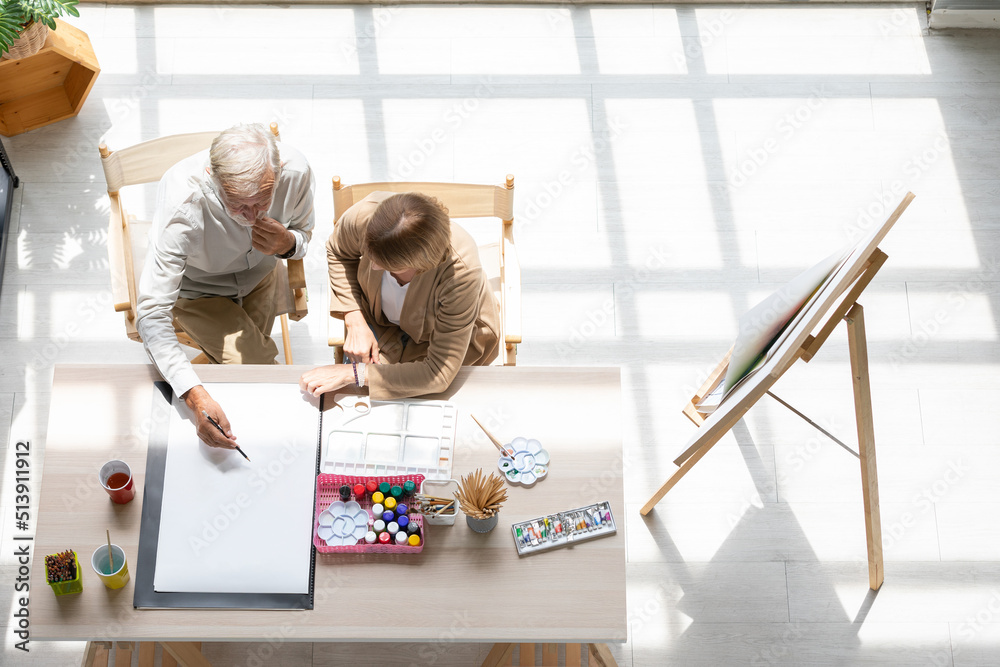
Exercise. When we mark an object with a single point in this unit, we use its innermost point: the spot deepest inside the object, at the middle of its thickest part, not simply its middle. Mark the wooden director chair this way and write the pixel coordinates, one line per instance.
(496, 250)
(128, 237)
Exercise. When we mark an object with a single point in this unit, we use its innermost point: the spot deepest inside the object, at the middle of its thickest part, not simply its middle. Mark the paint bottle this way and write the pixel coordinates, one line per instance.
(403, 521)
(371, 486)
(370, 537)
(388, 516)
(390, 503)
(413, 540)
(392, 527)
(413, 528)
(384, 538)
(377, 509)
(359, 491)
(345, 492)
(401, 538)
(379, 526)
(397, 492)
(409, 486)
(402, 509)
(378, 497)
(384, 488)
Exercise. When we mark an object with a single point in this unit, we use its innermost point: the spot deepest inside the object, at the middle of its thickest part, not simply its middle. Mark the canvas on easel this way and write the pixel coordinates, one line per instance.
(802, 335)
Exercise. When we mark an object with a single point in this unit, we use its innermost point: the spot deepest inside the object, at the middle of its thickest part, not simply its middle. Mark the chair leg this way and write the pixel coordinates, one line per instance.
(550, 655)
(526, 656)
(96, 654)
(600, 656)
(573, 655)
(123, 654)
(147, 654)
(499, 655)
(287, 344)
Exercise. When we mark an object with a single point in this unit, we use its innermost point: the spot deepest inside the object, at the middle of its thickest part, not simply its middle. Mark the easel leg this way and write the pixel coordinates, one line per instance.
(858, 345)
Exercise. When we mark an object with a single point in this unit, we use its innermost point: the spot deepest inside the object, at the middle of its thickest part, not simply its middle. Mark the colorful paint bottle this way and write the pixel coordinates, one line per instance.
(377, 509)
(409, 486)
(359, 491)
(384, 488)
(370, 537)
(413, 528)
(390, 503)
(378, 497)
(402, 509)
(388, 516)
(401, 538)
(413, 540)
(392, 527)
(397, 492)
(379, 526)
(384, 538)
(371, 486)
(345, 492)
(403, 522)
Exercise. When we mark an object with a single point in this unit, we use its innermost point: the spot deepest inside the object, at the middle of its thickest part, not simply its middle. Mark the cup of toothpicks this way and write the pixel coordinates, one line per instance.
(480, 498)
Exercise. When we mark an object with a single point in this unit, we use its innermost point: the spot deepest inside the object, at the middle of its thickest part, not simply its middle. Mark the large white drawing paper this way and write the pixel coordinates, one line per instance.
(763, 327)
(232, 526)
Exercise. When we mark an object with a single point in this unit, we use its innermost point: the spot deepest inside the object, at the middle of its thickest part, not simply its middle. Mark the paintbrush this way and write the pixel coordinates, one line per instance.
(111, 556)
(500, 446)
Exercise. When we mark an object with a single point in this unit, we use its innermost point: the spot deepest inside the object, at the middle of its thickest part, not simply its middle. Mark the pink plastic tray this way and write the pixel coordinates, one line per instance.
(328, 490)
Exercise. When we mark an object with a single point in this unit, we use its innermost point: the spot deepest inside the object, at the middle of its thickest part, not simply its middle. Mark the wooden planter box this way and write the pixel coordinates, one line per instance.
(50, 85)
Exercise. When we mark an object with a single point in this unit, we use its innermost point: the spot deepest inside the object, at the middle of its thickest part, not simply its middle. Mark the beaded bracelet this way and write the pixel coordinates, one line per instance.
(354, 365)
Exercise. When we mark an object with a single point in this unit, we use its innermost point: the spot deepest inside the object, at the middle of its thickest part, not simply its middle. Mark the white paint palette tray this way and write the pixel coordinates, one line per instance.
(404, 436)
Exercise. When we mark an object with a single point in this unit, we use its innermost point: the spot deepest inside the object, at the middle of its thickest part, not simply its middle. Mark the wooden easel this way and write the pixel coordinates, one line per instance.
(845, 307)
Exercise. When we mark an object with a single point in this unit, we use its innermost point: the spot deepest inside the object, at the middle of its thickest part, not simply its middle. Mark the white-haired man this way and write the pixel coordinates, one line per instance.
(223, 217)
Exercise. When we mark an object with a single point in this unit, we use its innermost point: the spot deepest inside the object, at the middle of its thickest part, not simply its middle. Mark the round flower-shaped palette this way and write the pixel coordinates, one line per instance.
(342, 524)
(528, 463)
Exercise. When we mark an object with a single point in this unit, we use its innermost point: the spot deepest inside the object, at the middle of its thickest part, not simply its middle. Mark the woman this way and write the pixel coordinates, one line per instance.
(413, 296)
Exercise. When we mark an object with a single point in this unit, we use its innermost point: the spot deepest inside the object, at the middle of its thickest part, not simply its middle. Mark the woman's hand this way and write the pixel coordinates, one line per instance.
(359, 343)
(326, 378)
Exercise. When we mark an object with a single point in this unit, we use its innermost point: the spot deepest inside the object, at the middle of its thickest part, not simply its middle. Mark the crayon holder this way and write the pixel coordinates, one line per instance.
(563, 529)
(67, 587)
(527, 463)
(340, 527)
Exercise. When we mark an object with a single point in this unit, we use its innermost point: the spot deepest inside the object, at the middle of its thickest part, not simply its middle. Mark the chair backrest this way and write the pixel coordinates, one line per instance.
(146, 162)
(463, 200)
(497, 252)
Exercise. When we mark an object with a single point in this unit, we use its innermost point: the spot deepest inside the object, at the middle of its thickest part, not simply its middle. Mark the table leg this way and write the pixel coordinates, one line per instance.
(526, 656)
(572, 655)
(499, 655)
(600, 656)
(187, 654)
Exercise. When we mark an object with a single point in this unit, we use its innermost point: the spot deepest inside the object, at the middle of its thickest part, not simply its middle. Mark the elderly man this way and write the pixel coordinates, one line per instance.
(223, 217)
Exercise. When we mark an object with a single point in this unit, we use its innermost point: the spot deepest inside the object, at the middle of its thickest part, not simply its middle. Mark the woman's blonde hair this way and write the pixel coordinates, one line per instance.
(408, 231)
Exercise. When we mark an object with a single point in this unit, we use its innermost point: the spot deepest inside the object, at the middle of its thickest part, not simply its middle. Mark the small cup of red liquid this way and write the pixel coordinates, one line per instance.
(116, 478)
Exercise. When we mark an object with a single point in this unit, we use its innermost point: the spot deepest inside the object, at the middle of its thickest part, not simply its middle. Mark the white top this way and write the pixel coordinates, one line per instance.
(196, 249)
(393, 295)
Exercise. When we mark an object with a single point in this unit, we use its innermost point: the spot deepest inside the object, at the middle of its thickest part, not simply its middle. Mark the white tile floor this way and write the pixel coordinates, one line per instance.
(673, 165)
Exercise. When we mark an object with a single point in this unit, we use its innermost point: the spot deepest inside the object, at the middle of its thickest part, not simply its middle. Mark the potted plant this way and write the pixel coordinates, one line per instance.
(24, 24)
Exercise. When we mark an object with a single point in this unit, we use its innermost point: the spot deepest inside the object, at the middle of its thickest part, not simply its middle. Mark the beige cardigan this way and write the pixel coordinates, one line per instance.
(449, 314)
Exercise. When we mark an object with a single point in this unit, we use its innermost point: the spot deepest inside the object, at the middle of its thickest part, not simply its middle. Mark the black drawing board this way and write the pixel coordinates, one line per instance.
(146, 594)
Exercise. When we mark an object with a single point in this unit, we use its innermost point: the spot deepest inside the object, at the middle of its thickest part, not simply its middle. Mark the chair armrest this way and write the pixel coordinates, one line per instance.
(336, 331)
(118, 257)
(296, 274)
(512, 288)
